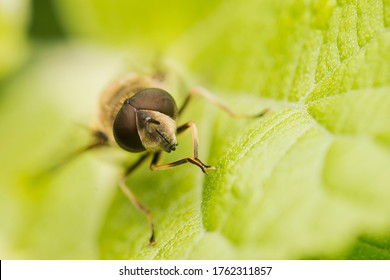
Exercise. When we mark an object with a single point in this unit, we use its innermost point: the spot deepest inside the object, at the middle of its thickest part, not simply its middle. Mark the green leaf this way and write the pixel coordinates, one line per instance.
(312, 176)
(371, 247)
(308, 180)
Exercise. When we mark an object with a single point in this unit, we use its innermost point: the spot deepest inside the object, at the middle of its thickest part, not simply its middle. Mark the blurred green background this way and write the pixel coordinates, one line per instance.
(309, 180)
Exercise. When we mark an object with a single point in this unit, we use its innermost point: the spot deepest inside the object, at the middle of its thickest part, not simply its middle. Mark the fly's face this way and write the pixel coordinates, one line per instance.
(156, 131)
(147, 122)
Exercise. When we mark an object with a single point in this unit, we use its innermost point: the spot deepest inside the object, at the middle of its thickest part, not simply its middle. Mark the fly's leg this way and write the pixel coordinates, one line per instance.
(217, 102)
(134, 200)
(99, 140)
(194, 159)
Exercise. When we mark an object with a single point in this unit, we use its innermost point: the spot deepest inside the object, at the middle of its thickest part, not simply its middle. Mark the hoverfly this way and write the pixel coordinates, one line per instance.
(137, 114)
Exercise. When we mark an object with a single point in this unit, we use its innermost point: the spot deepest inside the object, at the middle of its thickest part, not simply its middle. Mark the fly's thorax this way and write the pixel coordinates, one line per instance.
(156, 130)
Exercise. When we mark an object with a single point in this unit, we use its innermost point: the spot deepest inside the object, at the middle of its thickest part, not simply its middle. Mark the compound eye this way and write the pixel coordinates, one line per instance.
(125, 130)
(155, 99)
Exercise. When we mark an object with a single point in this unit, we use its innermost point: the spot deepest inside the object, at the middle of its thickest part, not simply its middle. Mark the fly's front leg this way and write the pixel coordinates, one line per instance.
(194, 159)
(134, 200)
